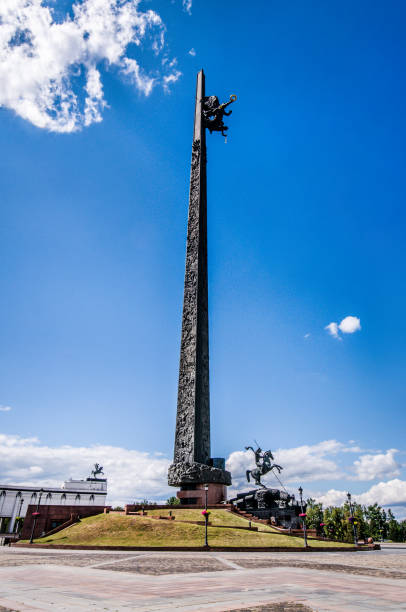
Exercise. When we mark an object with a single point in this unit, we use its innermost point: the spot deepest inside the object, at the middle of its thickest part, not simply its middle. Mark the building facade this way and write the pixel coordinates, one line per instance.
(14, 500)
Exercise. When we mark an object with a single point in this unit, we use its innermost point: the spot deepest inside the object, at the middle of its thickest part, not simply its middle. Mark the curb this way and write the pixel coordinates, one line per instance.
(198, 548)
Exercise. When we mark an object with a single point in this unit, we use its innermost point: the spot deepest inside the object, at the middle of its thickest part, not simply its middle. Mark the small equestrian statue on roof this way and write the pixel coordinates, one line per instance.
(264, 465)
(213, 113)
(98, 469)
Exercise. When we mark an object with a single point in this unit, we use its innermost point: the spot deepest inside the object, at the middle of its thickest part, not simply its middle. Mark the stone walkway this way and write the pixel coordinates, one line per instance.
(60, 580)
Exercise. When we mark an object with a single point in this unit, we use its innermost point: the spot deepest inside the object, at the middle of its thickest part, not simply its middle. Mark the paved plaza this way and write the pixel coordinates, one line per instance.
(61, 580)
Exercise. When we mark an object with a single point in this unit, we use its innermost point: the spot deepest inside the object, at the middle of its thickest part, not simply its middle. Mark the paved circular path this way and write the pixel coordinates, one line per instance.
(156, 581)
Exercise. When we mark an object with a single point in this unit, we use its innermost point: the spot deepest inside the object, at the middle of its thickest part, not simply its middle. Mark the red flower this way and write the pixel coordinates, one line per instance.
(303, 514)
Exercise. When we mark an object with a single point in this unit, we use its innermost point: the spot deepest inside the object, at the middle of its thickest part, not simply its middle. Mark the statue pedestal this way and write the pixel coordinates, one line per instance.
(195, 495)
(277, 506)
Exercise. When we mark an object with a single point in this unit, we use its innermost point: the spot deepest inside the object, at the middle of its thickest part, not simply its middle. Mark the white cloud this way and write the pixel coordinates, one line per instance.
(131, 68)
(5, 408)
(300, 464)
(187, 6)
(387, 493)
(131, 474)
(50, 65)
(134, 475)
(390, 493)
(332, 329)
(331, 498)
(192, 52)
(378, 466)
(171, 78)
(350, 324)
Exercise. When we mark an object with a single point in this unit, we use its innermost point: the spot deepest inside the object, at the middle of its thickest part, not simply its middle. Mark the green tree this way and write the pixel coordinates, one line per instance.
(314, 514)
(173, 501)
(396, 531)
(376, 518)
(335, 525)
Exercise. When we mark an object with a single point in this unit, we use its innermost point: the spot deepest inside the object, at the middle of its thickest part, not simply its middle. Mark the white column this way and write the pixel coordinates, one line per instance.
(14, 514)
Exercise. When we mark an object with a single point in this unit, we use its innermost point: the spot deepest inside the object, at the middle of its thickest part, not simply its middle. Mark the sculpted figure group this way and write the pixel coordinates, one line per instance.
(264, 465)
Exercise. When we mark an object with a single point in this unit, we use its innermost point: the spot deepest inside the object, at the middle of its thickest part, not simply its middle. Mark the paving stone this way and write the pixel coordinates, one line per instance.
(157, 566)
(283, 606)
(333, 567)
(91, 581)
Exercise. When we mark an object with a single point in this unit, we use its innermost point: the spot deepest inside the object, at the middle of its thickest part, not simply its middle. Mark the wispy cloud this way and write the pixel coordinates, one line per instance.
(348, 325)
(50, 64)
(192, 52)
(332, 329)
(187, 6)
(5, 408)
(171, 78)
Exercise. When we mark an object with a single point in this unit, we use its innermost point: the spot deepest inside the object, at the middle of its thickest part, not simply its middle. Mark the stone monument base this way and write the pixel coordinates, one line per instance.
(182, 473)
(195, 494)
(279, 507)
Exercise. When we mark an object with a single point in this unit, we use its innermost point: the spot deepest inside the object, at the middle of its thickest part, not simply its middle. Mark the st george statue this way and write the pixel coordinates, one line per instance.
(264, 465)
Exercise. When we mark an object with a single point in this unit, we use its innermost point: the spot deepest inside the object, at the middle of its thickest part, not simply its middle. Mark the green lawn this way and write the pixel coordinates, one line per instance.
(217, 517)
(120, 530)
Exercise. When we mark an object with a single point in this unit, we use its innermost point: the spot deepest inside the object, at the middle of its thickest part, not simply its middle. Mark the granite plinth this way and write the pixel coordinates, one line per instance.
(196, 473)
(216, 494)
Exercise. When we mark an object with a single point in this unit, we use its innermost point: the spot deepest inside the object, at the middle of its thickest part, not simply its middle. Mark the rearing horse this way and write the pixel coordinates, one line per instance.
(262, 467)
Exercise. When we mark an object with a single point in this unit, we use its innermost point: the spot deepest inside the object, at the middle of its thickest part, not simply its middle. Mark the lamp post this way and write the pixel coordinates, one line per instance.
(35, 517)
(354, 529)
(206, 516)
(303, 515)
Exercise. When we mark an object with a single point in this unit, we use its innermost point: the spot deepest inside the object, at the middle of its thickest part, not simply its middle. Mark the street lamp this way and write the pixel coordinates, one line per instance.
(36, 515)
(352, 520)
(303, 516)
(206, 515)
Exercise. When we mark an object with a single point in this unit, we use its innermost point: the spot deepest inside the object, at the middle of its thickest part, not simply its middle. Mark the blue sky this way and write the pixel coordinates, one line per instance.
(306, 224)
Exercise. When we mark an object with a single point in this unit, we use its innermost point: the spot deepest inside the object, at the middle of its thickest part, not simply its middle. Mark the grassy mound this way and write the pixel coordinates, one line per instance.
(121, 530)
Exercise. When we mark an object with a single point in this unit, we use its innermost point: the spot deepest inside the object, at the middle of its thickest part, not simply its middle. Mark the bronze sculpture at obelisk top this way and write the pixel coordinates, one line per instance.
(193, 467)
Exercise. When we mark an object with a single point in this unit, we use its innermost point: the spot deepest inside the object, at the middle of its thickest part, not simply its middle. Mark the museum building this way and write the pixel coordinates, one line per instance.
(14, 500)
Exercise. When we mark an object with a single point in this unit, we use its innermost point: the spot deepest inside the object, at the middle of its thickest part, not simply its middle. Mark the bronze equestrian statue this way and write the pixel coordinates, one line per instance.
(263, 463)
(98, 469)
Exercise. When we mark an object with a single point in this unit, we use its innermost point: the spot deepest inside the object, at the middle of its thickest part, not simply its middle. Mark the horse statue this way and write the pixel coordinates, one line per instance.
(263, 463)
(98, 469)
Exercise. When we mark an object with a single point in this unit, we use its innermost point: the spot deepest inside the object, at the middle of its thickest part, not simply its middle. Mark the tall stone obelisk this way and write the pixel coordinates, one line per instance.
(193, 467)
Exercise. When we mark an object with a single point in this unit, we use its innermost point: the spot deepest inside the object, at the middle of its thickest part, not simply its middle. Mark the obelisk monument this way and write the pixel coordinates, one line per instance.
(192, 466)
